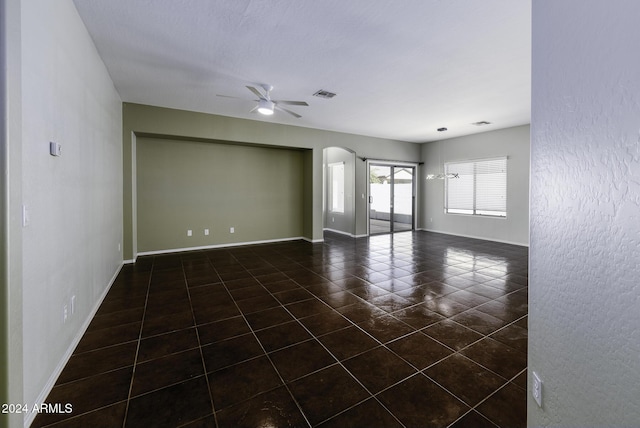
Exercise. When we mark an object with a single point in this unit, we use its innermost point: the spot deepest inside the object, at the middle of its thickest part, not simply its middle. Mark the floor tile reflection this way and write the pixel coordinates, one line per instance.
(386, 331)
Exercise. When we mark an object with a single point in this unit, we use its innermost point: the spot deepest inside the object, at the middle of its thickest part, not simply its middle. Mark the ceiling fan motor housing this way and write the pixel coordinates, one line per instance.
(266, 106)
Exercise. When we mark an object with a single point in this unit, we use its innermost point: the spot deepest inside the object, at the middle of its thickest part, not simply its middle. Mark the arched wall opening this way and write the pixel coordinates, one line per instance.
(338, 190)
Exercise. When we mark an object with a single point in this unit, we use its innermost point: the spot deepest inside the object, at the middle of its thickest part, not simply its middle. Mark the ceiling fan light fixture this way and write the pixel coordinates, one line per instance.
(265, 107)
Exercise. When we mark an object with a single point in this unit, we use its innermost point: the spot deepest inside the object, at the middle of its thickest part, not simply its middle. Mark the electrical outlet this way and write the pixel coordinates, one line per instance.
(65, 314)
(206, 232)
(232, 230)
(189, 232)
(536, 389)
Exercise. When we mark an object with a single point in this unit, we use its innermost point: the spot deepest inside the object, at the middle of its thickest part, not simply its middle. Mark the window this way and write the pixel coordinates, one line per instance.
(336, 187)
(481, 188)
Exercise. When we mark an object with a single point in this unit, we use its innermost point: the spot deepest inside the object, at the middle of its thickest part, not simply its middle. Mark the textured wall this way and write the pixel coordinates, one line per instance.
(584, 302)
(11, 236)
(70, 246)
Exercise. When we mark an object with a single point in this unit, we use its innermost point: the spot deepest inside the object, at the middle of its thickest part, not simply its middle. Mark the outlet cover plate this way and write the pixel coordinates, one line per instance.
(536, 389)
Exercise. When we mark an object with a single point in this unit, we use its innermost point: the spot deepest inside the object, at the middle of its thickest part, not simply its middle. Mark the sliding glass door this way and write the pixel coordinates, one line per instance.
(391, 198)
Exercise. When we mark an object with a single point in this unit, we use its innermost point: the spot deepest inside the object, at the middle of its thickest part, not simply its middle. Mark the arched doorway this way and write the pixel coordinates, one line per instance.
(339, 190)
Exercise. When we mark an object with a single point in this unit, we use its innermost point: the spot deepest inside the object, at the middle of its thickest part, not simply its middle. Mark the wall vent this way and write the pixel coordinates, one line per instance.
(324, 94)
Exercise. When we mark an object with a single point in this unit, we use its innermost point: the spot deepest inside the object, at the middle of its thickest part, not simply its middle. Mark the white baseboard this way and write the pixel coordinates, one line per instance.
(42, 397)
(230, 244)
(351, 235)
(484, 238)
(340, 232)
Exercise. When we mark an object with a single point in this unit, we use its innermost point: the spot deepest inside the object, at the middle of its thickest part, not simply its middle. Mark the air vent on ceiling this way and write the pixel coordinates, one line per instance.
(481, 123)
(324, 94)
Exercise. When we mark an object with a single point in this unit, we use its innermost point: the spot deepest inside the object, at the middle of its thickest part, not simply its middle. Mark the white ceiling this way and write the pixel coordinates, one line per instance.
(401, 69)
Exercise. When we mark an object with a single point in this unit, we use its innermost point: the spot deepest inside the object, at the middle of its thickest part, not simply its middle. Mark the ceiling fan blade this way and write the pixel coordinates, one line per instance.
(291, 103)
(296, 115)
(254, 109)
(255, 91)
(228, 96)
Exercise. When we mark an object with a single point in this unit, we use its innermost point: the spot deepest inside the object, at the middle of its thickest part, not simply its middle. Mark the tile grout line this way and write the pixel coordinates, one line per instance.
(135, 360)
(195, 326)
(312, 260)
(338, 362)
(266, 354)
(433, 364)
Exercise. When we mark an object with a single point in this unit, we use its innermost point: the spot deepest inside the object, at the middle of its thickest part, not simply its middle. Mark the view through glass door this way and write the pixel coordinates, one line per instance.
(391, 198)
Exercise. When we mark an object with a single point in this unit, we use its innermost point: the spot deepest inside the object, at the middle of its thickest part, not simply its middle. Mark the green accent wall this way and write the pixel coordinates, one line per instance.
(143, 122)
(196, 185)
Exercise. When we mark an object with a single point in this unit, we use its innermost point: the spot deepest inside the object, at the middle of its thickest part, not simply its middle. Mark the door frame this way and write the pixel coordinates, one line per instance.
(414, 189)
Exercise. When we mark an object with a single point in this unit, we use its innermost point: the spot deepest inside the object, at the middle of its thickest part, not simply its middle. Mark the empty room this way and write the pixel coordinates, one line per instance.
(319, 214)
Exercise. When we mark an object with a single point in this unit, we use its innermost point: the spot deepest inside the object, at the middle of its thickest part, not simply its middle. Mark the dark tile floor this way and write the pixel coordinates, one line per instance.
(414, 330)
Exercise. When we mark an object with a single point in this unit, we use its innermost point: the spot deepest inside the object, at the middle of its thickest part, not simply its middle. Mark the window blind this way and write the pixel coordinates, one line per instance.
(481, 188)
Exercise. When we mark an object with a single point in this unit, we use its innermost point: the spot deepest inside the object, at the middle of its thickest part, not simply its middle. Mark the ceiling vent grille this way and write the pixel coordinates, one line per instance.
(481, 123)
(324, 94)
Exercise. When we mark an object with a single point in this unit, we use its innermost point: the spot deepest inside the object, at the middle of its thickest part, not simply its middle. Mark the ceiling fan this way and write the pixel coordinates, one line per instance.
(266, 105)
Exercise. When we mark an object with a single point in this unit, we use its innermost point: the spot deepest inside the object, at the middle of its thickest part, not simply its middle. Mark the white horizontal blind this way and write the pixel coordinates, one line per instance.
(460, 190)
(481, 188)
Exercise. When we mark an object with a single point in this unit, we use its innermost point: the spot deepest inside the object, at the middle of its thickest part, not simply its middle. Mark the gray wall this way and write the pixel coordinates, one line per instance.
(147, 121)
(584, 297)
(11, 368)
(211, 185)
(510, 142)
(71, 245)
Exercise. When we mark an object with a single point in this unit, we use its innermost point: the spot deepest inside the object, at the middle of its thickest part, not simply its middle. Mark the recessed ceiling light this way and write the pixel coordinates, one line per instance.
(481, 123)
(442, 129)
